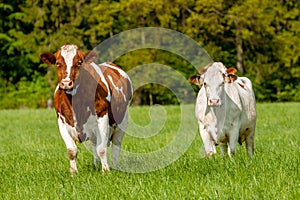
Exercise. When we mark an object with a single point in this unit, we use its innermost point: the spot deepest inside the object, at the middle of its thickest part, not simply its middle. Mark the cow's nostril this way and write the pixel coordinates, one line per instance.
(71, 83)
(214, 102)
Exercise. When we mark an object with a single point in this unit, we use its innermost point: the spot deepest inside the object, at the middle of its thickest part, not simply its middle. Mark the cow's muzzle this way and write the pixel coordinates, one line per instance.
(214, 102)
(66, 84)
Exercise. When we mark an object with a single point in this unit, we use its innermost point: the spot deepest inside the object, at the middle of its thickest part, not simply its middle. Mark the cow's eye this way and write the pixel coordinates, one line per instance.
(205, 84)
(58, 65)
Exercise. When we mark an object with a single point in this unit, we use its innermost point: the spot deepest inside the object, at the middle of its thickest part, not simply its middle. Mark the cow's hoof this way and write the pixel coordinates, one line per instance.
(105, 168)
(73, 171)
(209, 154)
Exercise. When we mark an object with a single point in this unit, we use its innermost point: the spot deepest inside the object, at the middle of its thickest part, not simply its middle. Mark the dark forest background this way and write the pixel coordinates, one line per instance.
(260, 38)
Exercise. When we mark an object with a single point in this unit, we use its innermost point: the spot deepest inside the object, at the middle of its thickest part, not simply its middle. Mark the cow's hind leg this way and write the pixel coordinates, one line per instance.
(223, 148)
(93, 141)
(70, 144)
(102, 141)
(233, 139)
(250, 143)
(117, 138)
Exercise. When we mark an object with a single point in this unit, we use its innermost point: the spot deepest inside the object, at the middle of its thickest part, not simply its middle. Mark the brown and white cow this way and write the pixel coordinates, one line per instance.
(91, 102)
(225, 109)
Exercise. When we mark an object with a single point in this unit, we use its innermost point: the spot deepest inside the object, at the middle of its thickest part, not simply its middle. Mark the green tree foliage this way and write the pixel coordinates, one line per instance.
(260, 38)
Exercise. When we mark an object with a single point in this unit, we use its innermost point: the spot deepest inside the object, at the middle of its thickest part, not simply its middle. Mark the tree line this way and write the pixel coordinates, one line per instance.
(260, 38)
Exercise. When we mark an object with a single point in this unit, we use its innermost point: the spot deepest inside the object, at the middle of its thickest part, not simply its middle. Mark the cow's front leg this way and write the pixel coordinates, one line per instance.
(102, 141)
(70, 144)
(208, 143)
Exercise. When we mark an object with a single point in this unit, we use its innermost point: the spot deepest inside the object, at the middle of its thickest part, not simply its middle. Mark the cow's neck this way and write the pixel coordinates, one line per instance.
(219, 115)
(74, 90)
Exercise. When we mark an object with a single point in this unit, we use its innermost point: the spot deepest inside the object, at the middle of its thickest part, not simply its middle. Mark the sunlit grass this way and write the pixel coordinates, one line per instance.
(34, 163)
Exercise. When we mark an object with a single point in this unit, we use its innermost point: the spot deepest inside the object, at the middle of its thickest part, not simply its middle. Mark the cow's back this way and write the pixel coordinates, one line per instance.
(245, 90)
(120, 90)
(244, 100)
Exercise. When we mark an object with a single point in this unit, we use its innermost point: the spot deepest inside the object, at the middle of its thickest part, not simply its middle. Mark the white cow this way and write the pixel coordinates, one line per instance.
(225, 109)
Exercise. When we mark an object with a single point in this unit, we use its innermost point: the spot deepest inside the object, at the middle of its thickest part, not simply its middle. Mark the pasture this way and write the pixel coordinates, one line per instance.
(34, 163)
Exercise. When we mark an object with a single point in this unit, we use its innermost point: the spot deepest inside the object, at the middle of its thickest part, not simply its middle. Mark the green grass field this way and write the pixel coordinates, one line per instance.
(34, 163)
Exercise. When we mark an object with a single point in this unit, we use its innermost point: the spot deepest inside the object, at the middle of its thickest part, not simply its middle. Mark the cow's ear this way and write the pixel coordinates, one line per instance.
(48, 58)
(231, 70)
(207, 66)
(201, 71)
(197, 80)
(230, 78)
(90, 57)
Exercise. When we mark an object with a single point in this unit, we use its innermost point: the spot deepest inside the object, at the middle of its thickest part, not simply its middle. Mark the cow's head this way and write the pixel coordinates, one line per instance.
(68, 60)
(213, 79)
